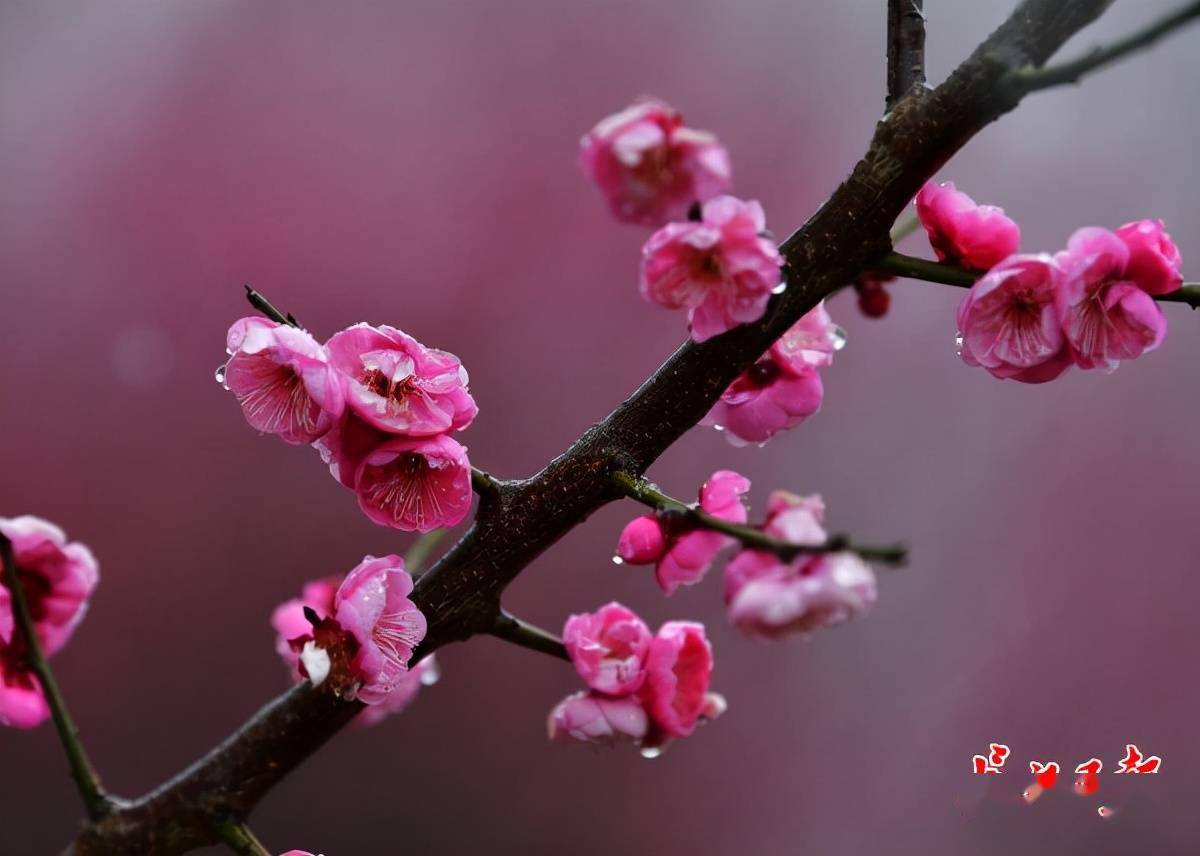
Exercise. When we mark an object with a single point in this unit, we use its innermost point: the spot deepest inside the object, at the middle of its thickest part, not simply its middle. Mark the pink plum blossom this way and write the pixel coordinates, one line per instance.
(347, 445)
(678, 671)
(720, 269)
(651, 168)
(591, 717)
(783, 388)
(424, 674)
(416, 484)
(769, 598)
(1009, 321)
(372, 605)
(642, 541)
(290, 623)
(1154, 260)
(1106, 317)
(57, 577)
(962, 232)
(684, 557)
(608, 648)
(397, 385)
(282, 379)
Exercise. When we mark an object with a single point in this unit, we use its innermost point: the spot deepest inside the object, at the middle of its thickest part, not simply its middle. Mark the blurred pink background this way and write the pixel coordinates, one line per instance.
(414, 163)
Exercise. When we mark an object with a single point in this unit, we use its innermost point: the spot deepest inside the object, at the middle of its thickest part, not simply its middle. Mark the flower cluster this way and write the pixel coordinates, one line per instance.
(642, 688)
(1031, 317)
(294, 632)
(377, 404)
(57, 577)
(767, 597)
(362, 629)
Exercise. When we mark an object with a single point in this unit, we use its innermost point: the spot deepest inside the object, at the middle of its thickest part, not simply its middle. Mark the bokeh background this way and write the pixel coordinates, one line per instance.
(414, 163)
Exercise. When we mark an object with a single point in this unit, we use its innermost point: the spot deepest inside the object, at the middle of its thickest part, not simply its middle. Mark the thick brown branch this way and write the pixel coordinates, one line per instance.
(905, 48)
(519, 520)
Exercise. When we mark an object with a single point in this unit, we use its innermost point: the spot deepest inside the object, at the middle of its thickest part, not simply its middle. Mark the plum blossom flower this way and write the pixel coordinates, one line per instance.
(291, 625)
(372, 605)
(347, 445)
(282, 380)
(684, 557)
(57, 577)
(963, 232)
(783, 388)
(720, 268)
(1154, 260)
(1009, 321)
(1106, 316)
(592, 717)
(678, 672)
(608, 648)
(399, 386)
(415, 484)
(650, 167)
(769, 598)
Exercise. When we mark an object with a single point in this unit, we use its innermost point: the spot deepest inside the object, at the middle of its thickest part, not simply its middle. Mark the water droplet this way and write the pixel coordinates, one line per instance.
(220, 375)
(719, 427)
(651, 751)
(837, 337)
(779, 289)
(958, 344)
(617, 560)
(1105, 812)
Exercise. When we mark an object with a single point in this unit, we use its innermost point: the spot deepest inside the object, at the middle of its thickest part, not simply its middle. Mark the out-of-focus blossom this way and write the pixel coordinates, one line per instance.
(720, 268)
(57, 578)
(372, 605)
(963, 232)
(1154, 260)
(783, 388)
(678, 671)
(592, 717)
(608, 648)
(1009, 321)
(873, 298)
(399, 386)
(424, 674)
(416, 484)
(1105, 315)
(282, 379)
(650, 167)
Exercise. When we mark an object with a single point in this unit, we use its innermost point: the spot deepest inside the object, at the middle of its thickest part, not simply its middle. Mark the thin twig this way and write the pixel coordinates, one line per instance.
(240, 838)
(96, 801)
(930, 271)
(904, 228)
(512, 629)
(267, 308)
(646, 493)
(483, 483)
(418, 553)
(905, 48)
(1030, 79)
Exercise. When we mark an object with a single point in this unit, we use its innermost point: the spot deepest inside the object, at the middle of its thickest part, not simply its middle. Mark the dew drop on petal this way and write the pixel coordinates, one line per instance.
(1105, 812)
(220, 375)
(958, 344)
(617, 560)
(719, 427)
(651, 751)
(779, 289)
(837, 337)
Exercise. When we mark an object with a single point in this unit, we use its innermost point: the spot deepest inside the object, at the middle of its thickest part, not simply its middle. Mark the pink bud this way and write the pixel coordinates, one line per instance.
(595, 718)
(608, 648)
(678, 671)
(649, 167)
(282, 379)
(1154, 260)
(962, 232)
(720, 269)
(641, 541)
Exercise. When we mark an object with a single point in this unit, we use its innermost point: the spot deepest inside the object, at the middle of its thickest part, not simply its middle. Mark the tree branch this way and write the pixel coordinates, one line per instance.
(95, 800)
(512, 629)
(1031, 79)
(940, 272)
(520, 520)
(636, 487)
(905, 48)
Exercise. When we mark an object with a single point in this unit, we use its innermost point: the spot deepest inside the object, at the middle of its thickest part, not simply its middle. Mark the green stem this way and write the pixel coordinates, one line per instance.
(95, 800)
(930, 271)
(512, 629)
(1031, 79)
(240, 839)
(482, 483)
(420, 550)
(644, 492)
(904, 228)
